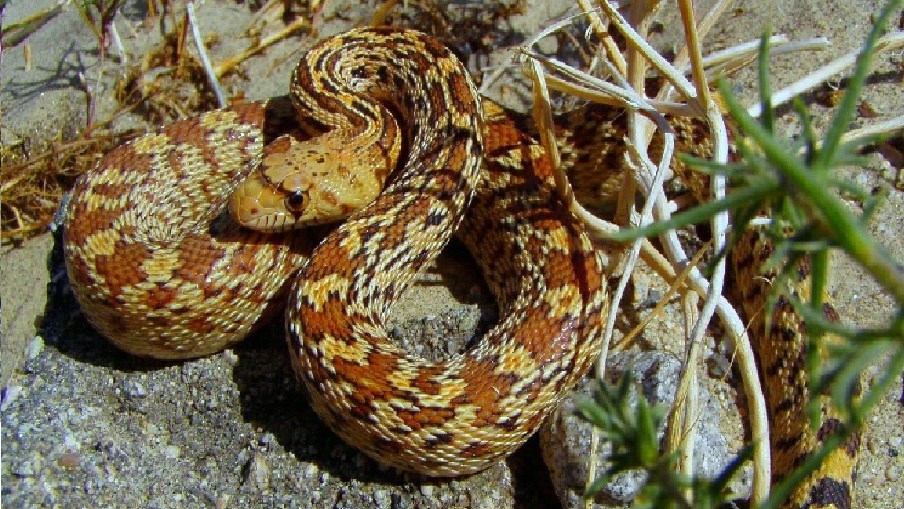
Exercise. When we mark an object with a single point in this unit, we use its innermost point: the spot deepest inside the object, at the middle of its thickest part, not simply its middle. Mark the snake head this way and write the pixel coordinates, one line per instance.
(304, 183)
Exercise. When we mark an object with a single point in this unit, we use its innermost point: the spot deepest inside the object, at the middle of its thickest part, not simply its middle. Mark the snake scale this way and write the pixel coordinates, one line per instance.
(162, 271)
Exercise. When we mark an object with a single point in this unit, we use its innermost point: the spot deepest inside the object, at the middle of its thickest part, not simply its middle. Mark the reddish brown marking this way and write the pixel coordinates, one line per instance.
(425, 417)
(538, 332)
(458, 159)
(201, 325)
(197, 256)
(331, 198)
(252, 113)
(195, 134)
(87, 223)
(502, 137)
(123, 160)
(161, 296)
(434, 48)
(560, 269)
(280, 145)
(534, 420)
(483, 387)
(111, 191)
(333, 319)
(376, 369)
(242, 262)
(331, 258)
(426, 380)
(437, 98)
(78, 270)
(123, 267)
(462, 95)
(174, 160)
(395, 233)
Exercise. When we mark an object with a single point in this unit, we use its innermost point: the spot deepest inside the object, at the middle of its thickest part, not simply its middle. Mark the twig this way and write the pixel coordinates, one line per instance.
(205, 60)
(816, 78)
(230, 63)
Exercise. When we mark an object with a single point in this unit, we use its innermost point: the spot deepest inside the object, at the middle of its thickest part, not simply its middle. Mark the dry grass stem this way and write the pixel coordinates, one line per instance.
(889, 42)
(231, 63)
(205, 58)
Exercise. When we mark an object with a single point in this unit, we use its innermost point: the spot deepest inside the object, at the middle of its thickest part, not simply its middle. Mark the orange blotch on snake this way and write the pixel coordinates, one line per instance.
(123, 267)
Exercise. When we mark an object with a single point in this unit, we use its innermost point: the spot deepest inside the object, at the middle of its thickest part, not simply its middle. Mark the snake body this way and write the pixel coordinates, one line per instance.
(153, 281)
(162, 272)
(149, 255)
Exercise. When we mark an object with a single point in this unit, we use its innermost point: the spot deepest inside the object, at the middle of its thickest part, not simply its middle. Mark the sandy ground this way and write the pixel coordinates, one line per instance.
(85, 425)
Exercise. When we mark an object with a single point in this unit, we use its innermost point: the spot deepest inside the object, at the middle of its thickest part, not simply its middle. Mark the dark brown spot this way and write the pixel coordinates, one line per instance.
(828, 492)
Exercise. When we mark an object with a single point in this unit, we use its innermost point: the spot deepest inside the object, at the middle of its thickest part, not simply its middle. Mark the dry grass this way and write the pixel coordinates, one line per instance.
(165, 83)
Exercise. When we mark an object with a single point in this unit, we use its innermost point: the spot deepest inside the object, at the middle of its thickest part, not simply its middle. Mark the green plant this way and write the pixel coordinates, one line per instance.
(635, 446)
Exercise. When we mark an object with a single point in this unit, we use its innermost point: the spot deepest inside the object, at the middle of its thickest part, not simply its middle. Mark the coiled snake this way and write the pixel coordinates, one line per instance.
(162, 272)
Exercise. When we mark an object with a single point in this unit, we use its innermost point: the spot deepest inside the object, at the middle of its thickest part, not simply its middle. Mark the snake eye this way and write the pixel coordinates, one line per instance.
(295, 201)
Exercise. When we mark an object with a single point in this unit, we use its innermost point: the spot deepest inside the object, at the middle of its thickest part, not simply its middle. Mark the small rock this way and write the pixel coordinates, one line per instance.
(381, 498)
(231, 358)
(134, 389)
(892, 473)
(257, 472)
(872, 445)
(9, 395)
(565, 438)
(34, 348)
(171, 452)
(69, 461)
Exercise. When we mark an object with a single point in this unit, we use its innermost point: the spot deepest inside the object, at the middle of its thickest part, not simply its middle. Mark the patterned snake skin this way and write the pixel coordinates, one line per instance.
(163, 272)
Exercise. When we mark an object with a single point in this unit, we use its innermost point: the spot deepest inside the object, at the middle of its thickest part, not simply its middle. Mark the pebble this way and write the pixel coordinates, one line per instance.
(257, 472)
(381, 498)
(231, 358)
(872, 445)
(134, 389)
(892, 473)
(171, 452)
(29, 467)
(69, 460)
(10, 394)
(34, 348)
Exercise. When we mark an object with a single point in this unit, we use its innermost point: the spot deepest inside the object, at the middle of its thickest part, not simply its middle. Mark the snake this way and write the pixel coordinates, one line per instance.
(162, 264)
